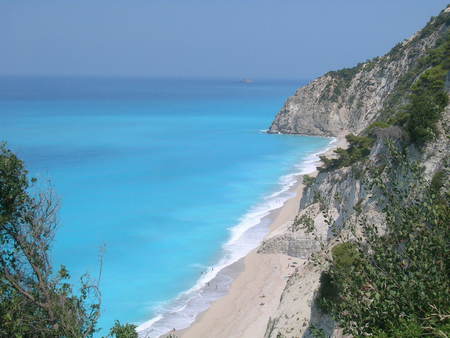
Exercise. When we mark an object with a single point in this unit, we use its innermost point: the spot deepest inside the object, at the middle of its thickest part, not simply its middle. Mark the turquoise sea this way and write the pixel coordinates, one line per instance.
(173, 177)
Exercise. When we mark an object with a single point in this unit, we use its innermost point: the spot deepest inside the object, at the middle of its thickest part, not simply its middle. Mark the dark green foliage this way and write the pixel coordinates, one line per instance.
(346, 74)
(437, 181)
(308, 180)
(403, 329)
(358, 148)
(394, 111)
(435, 22)
(423, 87)
(344, 256)
(397, 284)
(378, 124)
(123, 330)
(35, 300)
(342, 78)
(328, 291)
(317, 332)
(303, 222)
(428, 100)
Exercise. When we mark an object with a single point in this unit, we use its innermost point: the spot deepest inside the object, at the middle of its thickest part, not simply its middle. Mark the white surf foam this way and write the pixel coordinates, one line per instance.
(240, 244)
(148, 324)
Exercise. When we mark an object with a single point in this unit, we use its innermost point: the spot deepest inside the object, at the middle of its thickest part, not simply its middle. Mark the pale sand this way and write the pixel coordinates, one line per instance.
(255, 293)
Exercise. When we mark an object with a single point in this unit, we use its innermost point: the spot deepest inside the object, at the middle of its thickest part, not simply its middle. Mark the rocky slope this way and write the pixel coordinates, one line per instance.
(350, 99)
(331, 207)
(339, 195)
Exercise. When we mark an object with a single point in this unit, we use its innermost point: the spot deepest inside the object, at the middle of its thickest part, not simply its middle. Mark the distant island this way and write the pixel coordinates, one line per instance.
(247, 81)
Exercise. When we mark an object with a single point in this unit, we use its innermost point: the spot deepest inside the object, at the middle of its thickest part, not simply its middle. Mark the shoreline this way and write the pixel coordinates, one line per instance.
(218, 282)
(259, 279)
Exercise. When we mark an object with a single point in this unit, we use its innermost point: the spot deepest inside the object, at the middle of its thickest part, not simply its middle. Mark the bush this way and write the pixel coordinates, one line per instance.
(303, 222)
(437, 181)
(378, 124)
(395, 111)
(423, 87)
(308, 180)
(359, 148)
(123, 330)
(344, 256)
(395, 285)
(427, 101)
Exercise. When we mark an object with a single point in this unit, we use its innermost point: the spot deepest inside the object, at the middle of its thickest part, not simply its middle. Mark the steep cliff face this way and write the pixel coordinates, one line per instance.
(332, 206)
(350, 99)
(343, 196)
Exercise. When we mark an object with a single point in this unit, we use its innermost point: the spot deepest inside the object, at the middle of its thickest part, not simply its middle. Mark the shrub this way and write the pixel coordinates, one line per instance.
(308, 180)
(378, 124)
(359, 148)
(396, 110)
(123, 330)
(395, 285)
(344, 256)
(427, 101)
(303, 222)
(420, 97)
(437, 181)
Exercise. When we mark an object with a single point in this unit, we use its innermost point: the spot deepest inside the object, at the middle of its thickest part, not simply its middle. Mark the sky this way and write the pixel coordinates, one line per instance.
(283, 39)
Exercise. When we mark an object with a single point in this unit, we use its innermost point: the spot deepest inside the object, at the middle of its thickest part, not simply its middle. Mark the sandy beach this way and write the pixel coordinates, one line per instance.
(254, 295)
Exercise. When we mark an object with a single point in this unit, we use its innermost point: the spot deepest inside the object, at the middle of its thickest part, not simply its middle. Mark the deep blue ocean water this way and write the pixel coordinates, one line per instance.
(163, 173)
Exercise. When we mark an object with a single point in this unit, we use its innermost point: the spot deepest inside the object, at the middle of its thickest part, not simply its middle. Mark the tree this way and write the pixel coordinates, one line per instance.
(123, 330)
(35, 301)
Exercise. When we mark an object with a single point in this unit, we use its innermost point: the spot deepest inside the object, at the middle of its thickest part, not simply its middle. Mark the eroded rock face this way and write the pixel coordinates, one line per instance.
(342, 194)
(290, 244)
(349, 100)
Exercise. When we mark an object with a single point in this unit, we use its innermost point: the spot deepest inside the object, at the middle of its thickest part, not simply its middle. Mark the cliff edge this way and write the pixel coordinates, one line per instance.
(406, 92)
(350, 99)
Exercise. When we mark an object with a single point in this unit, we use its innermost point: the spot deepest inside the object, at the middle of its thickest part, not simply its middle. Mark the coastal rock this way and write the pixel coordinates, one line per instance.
(297, 312)
(289, 244)
(350, 99)
(337, 200)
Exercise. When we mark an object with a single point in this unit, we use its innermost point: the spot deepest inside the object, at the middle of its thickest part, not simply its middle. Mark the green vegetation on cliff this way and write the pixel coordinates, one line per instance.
(429, 96)
(416, 105)
(423, 90)
(391, 279)
(394, 282)
(358, 149)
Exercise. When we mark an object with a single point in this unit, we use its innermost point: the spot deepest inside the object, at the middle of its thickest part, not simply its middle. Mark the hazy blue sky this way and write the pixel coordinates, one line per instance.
(233, 38)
